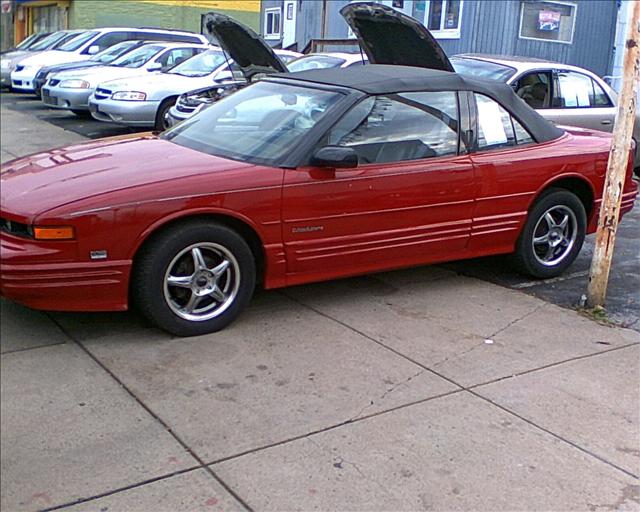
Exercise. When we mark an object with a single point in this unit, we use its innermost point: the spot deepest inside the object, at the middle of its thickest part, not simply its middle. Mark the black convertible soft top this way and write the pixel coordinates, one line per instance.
(387, 79)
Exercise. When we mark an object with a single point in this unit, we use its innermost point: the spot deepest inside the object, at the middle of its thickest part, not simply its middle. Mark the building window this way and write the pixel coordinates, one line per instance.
(272, 23)
(441, 17)
(548, 21)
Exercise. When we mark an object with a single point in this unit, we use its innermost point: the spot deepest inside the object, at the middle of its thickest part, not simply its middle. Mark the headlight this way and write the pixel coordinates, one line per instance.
(129, 96)
(75, 84)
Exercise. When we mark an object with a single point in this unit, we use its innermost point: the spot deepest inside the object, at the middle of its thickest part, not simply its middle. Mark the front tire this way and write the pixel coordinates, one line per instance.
(161, 123)
(194, 278)
(552, 236)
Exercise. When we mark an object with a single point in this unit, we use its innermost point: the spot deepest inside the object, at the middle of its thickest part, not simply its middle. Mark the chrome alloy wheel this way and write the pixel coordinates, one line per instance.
(554, 235)
(201, 282)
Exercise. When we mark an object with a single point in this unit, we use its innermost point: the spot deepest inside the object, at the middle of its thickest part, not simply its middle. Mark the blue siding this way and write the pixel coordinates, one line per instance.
(490, 26)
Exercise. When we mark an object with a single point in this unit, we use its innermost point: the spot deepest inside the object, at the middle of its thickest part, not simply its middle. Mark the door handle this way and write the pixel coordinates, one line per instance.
(605, 121)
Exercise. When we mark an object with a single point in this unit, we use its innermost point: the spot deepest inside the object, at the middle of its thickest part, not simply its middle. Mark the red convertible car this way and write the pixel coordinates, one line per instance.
(299, 178)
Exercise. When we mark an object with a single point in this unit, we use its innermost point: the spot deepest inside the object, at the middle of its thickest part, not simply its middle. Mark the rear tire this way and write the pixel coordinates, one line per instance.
(194, 278)
(160, 124)
(552, 236)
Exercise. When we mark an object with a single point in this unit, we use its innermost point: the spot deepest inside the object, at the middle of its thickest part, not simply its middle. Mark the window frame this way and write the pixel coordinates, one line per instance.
(463, 147)
(272, 11)
(558, 2)
(557, 89)
(444, 33)
(475, 126)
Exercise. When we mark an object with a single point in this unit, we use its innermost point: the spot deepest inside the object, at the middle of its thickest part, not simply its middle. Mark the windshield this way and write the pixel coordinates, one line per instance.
(258, 124)
(200, 65)
(315, 62)
(77, 42)
(137, 58)
(113, 52)
(51, 40)
(482, 69)
(26, 42)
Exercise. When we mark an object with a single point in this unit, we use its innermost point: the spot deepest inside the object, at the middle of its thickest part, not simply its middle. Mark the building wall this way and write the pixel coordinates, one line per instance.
(489, 26)
(177, 14)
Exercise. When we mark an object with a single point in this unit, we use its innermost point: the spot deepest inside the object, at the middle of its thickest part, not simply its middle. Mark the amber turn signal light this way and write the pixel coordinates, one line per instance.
(53, 233)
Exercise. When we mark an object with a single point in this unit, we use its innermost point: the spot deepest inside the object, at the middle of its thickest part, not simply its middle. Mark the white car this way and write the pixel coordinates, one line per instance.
(71, 89)
(564, 94)
(143, 101)
(327, 60)
(83, 47)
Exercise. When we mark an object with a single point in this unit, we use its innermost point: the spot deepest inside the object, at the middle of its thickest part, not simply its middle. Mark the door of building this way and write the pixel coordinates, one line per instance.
(289, 23)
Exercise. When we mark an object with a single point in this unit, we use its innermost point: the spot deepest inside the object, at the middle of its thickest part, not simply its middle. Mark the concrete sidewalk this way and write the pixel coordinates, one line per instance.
(410, 390)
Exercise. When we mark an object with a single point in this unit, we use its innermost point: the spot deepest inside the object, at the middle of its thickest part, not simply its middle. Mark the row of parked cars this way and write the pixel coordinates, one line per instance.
(152, 78)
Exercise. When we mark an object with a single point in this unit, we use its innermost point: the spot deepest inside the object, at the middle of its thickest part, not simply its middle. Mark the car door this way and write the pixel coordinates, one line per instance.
(409, 200)
(578, 100)
(505, 157)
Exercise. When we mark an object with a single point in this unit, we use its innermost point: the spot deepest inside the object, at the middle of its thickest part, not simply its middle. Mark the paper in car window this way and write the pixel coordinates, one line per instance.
(574, 93)
(491, 123)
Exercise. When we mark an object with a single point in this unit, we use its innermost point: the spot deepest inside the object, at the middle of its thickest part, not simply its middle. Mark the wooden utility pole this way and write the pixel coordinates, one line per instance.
(617, 166)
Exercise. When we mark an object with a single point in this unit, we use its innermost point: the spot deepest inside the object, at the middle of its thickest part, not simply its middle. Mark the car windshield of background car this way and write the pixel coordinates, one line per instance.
(76, 43)
(482, 69)
(138, 57)
(315, 62)
(113, 52)
(200, 65)
(258, 124)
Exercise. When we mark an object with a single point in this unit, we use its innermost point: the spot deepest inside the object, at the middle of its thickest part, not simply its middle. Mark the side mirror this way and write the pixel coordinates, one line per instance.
(93, 49)
(156, 66)
(338, 157)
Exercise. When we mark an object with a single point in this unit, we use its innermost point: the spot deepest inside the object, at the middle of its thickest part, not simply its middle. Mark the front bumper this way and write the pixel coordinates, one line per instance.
(30, 278)
(63, 97)
(5, 78)
(23, 80)
(129, 113)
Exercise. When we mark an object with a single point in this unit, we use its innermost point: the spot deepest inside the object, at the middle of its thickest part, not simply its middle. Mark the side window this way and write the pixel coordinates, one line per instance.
(600, 98)
(575, 90)
(110, 39)
(496, 127)
(407, 126)
(535, 89)
(175, 57)
(522, 135)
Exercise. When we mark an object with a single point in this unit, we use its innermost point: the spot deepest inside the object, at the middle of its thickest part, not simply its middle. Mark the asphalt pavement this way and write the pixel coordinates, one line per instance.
(420, 389)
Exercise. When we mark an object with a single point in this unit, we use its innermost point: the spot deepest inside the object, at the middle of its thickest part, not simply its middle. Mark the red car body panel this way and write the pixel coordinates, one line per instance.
(313, 223)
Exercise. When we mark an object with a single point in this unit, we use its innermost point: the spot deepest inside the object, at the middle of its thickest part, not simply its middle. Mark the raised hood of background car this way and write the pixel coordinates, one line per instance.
(388, 36)
(44, 181)
(244, 46)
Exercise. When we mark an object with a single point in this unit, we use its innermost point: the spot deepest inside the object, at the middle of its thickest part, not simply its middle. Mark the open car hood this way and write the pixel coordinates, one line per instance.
(244, 46)
(388, 36)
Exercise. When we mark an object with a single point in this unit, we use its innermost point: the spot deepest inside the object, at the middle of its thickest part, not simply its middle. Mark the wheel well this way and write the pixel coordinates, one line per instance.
(240, 227)
(578, 187)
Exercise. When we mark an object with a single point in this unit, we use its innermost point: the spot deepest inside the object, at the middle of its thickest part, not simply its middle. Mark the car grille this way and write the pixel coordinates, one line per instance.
(103, 94)
(19, 68)
(181, 107)
(53, 82)
(49, 100)
(15, 228)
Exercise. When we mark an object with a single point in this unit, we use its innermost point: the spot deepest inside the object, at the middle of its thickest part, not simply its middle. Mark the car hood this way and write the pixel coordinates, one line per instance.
(81, 173)
(17, 54)
(51, 57)
(157, 81)
(244, 46)
(388, 36)
(98, 74)
(68, 66)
